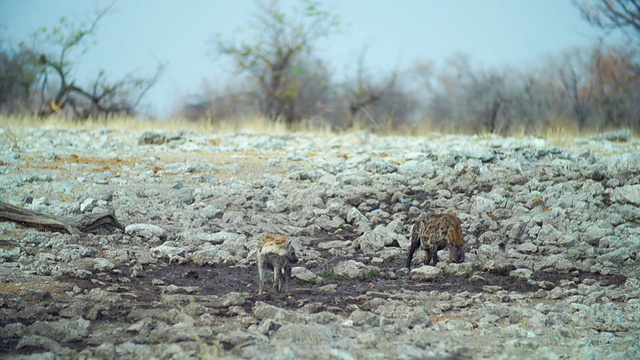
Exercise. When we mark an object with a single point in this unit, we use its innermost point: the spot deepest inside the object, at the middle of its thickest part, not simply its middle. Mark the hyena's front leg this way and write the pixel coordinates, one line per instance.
(277, 276)
(432, 254)
(287, 277)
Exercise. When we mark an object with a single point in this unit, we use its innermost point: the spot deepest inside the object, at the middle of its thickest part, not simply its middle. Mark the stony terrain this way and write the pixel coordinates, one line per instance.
(552, 270)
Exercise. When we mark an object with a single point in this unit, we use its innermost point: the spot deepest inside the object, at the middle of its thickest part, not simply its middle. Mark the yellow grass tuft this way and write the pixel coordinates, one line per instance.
(560, 132)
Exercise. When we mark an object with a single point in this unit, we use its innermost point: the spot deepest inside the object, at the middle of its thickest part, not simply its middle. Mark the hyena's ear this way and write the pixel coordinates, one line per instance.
(295, 243)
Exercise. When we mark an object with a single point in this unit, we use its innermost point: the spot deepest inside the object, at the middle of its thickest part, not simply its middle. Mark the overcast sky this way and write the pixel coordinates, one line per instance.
(139, 33)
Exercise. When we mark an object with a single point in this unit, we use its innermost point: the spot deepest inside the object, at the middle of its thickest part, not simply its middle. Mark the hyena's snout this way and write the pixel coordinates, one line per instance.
(293, 258)
(456, 254)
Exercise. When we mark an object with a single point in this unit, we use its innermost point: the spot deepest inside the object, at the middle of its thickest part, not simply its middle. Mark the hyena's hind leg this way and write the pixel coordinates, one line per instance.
(415, 244)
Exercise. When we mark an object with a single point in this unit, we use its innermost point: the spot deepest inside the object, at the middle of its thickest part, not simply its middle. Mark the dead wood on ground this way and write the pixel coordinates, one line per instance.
(104, 223)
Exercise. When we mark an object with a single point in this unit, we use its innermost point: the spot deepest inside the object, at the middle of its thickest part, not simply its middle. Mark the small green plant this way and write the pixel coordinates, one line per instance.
(373, 273)
(326, 274)
(330, 274)
(395, 260)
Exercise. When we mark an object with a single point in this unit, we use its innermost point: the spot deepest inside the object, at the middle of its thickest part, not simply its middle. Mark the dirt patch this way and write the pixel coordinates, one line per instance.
(221, 280)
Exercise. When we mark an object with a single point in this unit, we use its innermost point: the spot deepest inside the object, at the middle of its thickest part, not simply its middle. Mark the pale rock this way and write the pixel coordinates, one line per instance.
(628, 194)
(335, 244)
(522, 274)
(527, 248)
(354, 216)
(454, 268)
(304, 333)
(209, 254)
(557, 262)
(353, 269)
(87, 205)
(169, 251)
(489, 252)
(594, 233)
(147, 231)
(482, 205)
(103, 265)
(425, 273)
(372, 241)
(306, 275)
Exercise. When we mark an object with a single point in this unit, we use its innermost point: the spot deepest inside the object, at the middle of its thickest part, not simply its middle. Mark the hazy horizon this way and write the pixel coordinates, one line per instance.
(136, 35)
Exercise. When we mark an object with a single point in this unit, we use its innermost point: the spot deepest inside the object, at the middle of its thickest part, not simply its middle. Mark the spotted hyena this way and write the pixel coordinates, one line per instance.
(275, 253)
(435, 232)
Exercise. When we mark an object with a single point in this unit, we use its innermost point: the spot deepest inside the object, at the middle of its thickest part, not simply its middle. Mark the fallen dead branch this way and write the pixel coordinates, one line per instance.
(93, 223)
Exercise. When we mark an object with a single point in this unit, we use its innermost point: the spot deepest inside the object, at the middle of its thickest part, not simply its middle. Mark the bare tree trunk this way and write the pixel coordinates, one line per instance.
(494, 116)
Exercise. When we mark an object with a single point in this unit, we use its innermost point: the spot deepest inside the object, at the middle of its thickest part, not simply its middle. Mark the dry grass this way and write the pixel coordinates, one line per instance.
(257, 124)
(561, 131)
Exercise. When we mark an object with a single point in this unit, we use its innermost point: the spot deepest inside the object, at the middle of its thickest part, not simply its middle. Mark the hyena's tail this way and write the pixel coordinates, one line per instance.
(415, 244)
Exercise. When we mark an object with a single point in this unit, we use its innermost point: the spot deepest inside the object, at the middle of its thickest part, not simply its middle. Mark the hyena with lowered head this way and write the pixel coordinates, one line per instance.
(275, 253)
(435, 232)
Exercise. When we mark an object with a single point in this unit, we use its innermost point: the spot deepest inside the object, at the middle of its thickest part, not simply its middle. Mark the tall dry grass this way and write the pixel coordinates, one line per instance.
(559, 131)
(257, 124)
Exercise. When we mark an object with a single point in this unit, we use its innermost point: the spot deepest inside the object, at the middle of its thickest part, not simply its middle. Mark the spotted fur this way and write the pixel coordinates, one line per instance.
(275, 253)
(435, 232)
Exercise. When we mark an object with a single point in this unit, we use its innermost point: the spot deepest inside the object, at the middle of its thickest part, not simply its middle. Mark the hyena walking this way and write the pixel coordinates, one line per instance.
(275, 253)
(435, 232)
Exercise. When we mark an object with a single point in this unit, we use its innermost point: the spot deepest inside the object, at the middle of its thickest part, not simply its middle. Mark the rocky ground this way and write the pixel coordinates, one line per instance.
(552, 270)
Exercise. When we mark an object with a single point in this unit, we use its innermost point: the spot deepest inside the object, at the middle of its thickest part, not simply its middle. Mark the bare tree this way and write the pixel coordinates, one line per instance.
(363, 92)
(314, 85)
(616, 74)
(424, 73)
(102, 97)
(18, 75)
(574, 75)
(216, 103)
(380, 103)
(313, 100)
(616, 85)
(534, 100)
(270, 58)
(470, 98)
(487, 96)
(612, 14)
